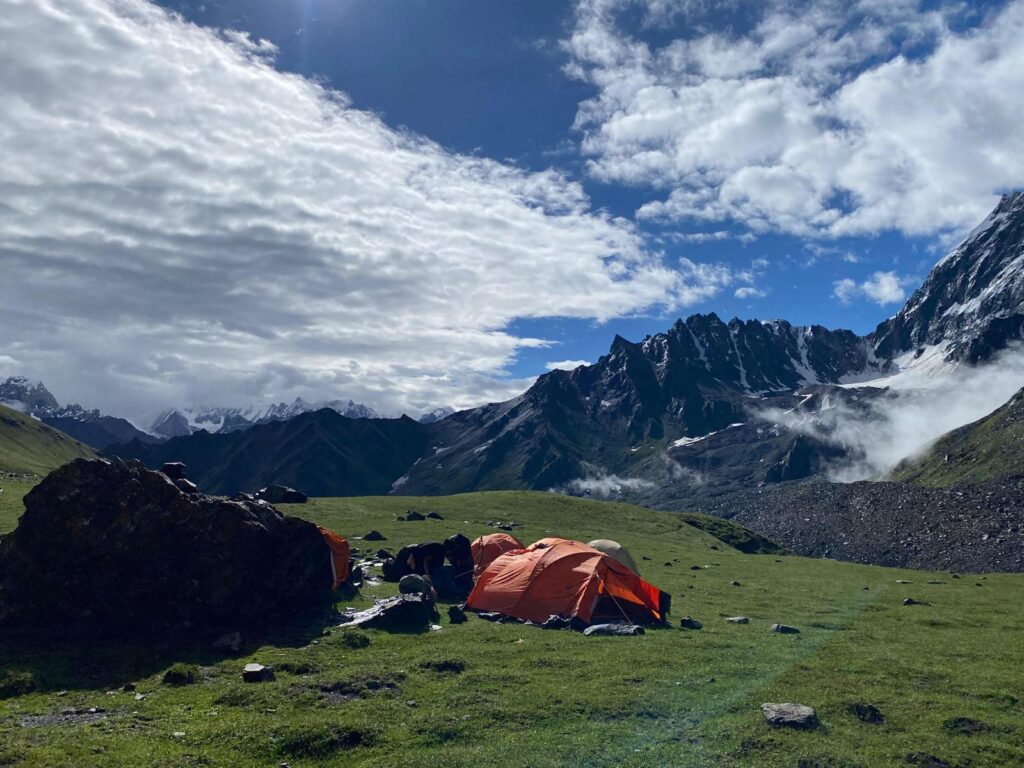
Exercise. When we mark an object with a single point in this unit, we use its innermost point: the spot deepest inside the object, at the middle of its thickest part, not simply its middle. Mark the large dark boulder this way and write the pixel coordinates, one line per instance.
(110, 545)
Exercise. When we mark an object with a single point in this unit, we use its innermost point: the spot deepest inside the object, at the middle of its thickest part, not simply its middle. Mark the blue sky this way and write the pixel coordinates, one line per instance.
(487, 78)
(423, 202)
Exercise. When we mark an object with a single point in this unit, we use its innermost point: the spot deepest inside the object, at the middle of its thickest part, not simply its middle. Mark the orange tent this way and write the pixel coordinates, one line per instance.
(339, 556)
(569, 579)
(489, 546)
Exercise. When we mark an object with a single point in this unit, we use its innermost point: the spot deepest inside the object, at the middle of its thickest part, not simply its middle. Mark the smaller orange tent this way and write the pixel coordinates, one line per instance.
(489, 546)
(339, 549)
(566, 578)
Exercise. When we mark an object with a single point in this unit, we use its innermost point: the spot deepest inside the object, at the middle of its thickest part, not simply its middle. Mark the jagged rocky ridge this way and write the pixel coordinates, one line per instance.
(677, 413)
(186, 421)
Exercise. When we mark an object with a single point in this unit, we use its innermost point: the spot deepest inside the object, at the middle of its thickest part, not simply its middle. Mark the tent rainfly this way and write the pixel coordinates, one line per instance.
(489, 546)
(568, 579)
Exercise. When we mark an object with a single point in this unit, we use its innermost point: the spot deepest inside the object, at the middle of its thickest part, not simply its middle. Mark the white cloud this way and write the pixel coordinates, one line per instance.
(749, 292)
(907, 419)
(566, 365)
(822, 118)
(881, 287)
(182, 224)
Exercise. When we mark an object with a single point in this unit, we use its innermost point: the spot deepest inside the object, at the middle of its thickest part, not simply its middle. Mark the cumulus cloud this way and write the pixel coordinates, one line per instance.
(907, 419)
(183, 224)
(881, 287)
(606, 485)
(749, 292)
(566, 365)
(819, 117)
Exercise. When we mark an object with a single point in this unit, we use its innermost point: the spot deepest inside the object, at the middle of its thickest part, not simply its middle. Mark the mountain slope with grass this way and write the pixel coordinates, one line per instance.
(28, 446)
(944, 674)
(989, 449)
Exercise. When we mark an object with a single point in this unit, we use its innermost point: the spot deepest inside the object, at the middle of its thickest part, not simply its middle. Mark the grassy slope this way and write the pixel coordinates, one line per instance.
(988, 449)
(537, 698)
(29, 446)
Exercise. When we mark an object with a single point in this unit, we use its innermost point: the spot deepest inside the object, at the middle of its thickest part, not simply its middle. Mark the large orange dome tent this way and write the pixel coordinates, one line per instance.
(569, 579)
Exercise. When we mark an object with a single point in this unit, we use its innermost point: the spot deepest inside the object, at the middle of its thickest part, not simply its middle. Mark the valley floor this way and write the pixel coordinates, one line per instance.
(947, 676)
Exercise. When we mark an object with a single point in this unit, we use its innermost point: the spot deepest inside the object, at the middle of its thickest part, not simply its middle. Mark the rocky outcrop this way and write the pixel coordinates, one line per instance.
(110, 545)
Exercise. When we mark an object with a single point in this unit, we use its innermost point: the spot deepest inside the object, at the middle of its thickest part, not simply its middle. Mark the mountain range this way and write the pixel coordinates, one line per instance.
(691, 411)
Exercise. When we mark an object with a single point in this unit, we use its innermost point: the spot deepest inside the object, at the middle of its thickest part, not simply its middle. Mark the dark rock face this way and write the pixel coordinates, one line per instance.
(110, 545)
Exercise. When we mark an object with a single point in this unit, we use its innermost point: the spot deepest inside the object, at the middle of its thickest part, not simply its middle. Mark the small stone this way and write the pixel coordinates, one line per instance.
(735, 584)
(738, 620)
(178, 734)
(410, 703)
(128, 687)
(688, 622)
(668, 565)
(374, 536)
(140, 696)
(694, 567)
(790, 715)
(785, 629)
(623, 630)
(412, 515)
(912, 601)
(257, 673)
(435, 516)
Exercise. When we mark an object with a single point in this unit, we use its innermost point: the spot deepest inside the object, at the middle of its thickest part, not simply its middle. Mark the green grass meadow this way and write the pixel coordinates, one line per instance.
(530, 697)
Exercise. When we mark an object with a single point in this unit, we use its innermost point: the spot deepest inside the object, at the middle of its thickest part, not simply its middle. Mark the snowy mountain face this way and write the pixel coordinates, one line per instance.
(436, 415)
(179, 423)
(973, 301)
(26, 395)
(714, 405)
(87, 426)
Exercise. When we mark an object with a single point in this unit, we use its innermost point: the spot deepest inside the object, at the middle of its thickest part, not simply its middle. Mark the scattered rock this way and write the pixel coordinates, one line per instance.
(688, 622)
(790, 716)
(128, 688)
(435, 516)
(694, 567)
(785, 629)
(738, 620)
(230, 643)
(382, 554)
(414, 516)
(281, 494)
(375, 536)
(912, 601)
(66, 717)
(668, 565)
(735, 584)
(903, 581)
(257, 673)
(622, 630)
(867, 713)
(456, 615)
(402, 613)
(934, 581)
